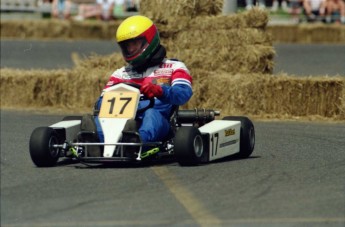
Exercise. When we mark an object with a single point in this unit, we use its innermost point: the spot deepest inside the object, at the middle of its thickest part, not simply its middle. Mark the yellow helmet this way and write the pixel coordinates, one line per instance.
(138, 38)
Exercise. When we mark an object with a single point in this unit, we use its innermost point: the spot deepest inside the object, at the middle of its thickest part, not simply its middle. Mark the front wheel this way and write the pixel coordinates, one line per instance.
(247, 136)
(188, 146)
(42, 152)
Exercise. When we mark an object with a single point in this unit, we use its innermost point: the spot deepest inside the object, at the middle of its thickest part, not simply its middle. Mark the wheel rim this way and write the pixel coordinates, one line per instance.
(54, 152)
(198, 146)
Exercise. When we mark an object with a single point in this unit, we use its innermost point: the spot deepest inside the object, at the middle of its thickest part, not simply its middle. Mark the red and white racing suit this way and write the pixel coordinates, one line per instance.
(174, 78)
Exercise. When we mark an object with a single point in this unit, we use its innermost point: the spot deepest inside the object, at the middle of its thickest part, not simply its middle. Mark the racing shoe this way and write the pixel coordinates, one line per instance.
(131, 151)
(90, 137)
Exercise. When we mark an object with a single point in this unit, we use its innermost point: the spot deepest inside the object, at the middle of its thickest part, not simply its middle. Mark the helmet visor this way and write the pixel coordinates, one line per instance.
(132, 48)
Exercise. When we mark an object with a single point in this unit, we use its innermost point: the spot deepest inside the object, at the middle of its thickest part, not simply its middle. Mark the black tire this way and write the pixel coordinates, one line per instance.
(247, 136)
(188, 146)
(41, 151)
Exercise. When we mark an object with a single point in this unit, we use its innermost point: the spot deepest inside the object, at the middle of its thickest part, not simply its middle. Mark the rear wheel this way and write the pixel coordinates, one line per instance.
(247, 136)
(188, 146)
(42, 152)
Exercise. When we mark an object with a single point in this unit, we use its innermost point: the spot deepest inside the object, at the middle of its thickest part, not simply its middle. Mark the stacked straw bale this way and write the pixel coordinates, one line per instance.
(308, 33)
(76, 89)
(257, 95)
(58, 29)
(42, 88)
(267, 95)
(196, 33)
(172, 17)
(165, 12)
(35, 28)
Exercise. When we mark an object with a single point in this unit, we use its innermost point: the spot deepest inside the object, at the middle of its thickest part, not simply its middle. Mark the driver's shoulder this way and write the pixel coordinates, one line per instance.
(173, 63)
(119, 71)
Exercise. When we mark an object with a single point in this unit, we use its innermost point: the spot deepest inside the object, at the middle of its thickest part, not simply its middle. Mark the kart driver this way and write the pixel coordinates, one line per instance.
(167, 80)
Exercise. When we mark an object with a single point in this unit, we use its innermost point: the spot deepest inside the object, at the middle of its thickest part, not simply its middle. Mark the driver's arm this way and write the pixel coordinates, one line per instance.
(180, 90)
(178, 93)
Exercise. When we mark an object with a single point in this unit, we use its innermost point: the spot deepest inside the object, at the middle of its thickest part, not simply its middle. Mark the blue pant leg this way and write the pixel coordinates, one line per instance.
(99, 129)
(98, 124)
(154, 126)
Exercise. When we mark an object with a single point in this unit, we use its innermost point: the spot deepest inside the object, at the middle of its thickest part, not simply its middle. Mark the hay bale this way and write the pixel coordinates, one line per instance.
(171, 16)
(97, 62)
(221, 38)
(249, 19)
(35, 29)
(93, 29)
(212, 43)
(304, 96)
(256, 18)
(32, 88)
(308, 33)
(242, 59)
(316, 34)
(284, 33)
(162, 11)
(237, 94)
(213, 23)
(225, 43)
(263, 95)
(73, 89)
(59, 29)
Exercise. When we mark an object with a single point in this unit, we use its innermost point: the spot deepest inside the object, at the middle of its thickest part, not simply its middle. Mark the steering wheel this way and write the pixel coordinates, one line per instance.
(143, 97)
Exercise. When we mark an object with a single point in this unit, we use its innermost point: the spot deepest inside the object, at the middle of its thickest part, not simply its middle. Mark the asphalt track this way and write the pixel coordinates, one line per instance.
(295, 177)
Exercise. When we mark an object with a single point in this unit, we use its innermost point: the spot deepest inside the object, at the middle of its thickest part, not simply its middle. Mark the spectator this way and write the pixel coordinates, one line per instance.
(295, 9)
(101, 9)
(279, 4)
(335, 11)
(250, 4)
(107, 9)
(125, 8)
(61, 9)
(314, 9)
(119, 8)
(131, 5)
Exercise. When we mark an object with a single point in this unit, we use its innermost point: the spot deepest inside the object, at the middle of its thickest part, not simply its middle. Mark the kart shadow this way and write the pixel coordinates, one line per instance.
(67, 162)
(146, 164)
(125, 165)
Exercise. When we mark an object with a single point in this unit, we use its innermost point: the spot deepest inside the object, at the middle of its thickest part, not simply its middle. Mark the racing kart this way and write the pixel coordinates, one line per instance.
(195, 136)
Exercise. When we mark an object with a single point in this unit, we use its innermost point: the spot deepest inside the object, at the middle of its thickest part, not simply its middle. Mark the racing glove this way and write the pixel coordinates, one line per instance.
(151, 90)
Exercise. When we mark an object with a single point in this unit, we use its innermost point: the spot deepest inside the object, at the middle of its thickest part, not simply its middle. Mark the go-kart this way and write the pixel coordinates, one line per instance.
(195, 136)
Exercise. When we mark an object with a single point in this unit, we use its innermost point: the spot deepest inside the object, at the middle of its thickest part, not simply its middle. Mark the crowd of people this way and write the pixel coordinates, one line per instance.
(99, 9)
(328, 11)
